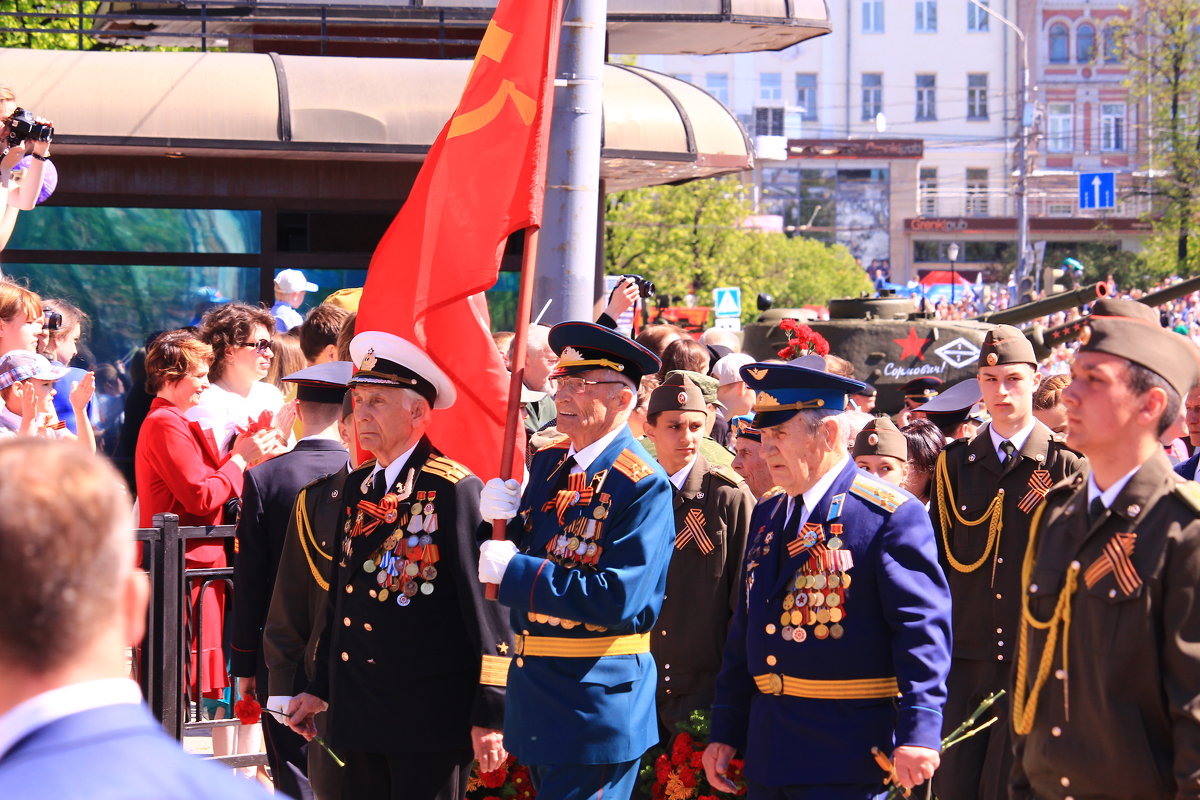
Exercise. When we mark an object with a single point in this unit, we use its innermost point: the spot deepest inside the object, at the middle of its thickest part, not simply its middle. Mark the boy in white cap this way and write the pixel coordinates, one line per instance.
(290, 288)
(27, 397)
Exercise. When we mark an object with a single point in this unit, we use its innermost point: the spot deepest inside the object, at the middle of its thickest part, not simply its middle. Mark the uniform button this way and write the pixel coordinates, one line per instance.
(999, 560)
(772, 661)
(668, 691)
(999, 644)
(964, 508)
(667, 678)
(1060, 674)
(349, 589)
(999, 596)
(1000, 657)
(999, 630)
(666, 666)
(345, 656)
(770, 628)
(367, 627)
(1033, 588)
(1112, 593)
(664, 633)
(524, 633)
(346, 621)
(1056, 731)
(520, 662)
(1065, 781)
(664, 595)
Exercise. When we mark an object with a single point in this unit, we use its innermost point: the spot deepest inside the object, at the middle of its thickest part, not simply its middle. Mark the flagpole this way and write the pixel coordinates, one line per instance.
(508, 450)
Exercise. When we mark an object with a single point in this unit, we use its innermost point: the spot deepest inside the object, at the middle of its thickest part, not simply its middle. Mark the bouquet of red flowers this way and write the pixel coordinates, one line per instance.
(265, 422)
(802, 340)
(675, 772)
(511, 782)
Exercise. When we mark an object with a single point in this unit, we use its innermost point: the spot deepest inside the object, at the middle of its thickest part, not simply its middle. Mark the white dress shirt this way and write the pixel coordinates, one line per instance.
(818, 490)
(1018, 439)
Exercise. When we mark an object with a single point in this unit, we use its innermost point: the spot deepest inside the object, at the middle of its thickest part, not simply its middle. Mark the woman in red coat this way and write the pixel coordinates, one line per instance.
(180, 471)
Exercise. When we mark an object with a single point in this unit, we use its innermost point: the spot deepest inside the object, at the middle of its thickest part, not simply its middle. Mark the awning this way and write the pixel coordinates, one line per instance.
(656, 129)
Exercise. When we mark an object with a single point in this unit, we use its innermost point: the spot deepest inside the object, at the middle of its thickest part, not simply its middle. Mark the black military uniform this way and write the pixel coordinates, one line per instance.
(712, 515)
(267, 502)
(411, 656)
(298, 607)
(1108, 664)
(981, 511)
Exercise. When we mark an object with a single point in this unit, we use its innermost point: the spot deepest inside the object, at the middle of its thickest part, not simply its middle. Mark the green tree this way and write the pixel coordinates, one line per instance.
(690, 239)
(48, 24)
(1159, 45)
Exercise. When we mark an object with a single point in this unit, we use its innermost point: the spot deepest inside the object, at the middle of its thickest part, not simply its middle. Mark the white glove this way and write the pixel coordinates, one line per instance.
(494, 555)
(500, 499)
(277, 705)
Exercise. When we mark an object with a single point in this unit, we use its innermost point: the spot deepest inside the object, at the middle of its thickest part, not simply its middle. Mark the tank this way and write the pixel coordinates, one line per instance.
(890, 345)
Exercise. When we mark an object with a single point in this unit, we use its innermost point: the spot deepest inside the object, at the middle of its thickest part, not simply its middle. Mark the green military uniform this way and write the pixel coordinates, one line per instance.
(981, 511)
(1108, 662)
(712, 516)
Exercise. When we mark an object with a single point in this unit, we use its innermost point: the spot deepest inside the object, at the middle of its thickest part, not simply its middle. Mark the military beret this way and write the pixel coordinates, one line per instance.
(881, 437)
(385, 359)
(677, 393)
(581, 346)
(921, 388)
(1005, 344)
(322, 383)
(782, 390)
(1123, 328)
(708, 384)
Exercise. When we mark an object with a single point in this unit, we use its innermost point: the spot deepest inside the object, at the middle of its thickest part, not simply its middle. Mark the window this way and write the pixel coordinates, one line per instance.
(926, 97)
(977, 106)
(1085, 44)
(1112, 127)
(1060, 45)
(1060, 128)
(717, 84)
(872, 14)
(686, 77)
(926, 16)
(770, 86)
(768, 121)
(1111, 49)
(977, 192)
(806, 95)
(927, 201)
(872, 95)
(977, 18)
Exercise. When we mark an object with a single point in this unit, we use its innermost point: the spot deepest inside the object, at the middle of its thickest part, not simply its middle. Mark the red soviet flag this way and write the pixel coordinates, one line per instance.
(483, 179)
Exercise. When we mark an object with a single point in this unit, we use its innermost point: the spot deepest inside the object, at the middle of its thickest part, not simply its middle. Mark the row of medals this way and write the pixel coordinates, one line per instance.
(566, 624)
(815, 600)
(397, 575)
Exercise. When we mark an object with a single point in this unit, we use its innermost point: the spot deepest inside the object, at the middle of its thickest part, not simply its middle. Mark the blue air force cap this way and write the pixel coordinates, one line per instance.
(782, 390)
(743, 427)
(581, 346)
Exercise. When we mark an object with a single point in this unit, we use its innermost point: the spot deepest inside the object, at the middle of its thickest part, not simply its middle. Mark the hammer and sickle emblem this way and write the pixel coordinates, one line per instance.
(494, 45)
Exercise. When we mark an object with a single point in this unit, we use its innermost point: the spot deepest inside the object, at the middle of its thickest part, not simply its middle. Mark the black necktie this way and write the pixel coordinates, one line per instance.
(377, 487)
(1009, 449)
(792, 526)
(1096, 509)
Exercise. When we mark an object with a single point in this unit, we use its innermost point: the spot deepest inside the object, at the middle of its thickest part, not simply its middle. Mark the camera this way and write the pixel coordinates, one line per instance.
(645, 286)
(23, 127)
(52, 321)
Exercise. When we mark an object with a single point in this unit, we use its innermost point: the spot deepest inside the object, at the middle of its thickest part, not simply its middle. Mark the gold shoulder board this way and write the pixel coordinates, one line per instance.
(726, 473)
(1189, 492)
(445, 468)
(774, 491)
(877, 493)
(561, 443)
(632, 467)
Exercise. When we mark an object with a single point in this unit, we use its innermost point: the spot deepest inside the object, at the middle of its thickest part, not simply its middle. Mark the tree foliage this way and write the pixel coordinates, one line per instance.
(1160, 47)
(690, 239)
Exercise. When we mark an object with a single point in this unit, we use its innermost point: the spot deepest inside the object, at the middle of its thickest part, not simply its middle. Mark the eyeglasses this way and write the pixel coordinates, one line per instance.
(262, 346)
(578, 385)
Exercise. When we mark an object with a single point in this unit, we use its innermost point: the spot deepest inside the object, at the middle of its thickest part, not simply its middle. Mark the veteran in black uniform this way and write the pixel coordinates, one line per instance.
(1108, 664)
(296, 615)
(412, 660)
(267, 503)
(841, 638)
(985, 494)
(712, 513)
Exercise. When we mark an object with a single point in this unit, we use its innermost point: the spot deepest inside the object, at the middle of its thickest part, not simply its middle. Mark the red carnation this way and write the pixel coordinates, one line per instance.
(494, 779)
(247, 710)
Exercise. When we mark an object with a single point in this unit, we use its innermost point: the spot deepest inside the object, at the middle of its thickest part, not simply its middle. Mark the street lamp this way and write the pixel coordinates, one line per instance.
(1024, 120)
(952, 254)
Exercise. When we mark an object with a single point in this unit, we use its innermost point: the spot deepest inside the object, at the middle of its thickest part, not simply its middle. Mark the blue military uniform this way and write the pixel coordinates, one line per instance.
(841, 639)
(585, 591)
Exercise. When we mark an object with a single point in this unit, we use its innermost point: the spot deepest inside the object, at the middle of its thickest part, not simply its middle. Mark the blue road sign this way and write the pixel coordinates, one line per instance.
(727, 302)
(1097, 190)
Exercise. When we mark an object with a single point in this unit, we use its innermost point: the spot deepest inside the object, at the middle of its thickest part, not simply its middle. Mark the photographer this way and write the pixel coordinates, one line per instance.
(22, 179)
(59, 341)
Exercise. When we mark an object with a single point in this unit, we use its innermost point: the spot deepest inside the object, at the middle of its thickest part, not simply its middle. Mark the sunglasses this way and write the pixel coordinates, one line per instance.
(262, 346)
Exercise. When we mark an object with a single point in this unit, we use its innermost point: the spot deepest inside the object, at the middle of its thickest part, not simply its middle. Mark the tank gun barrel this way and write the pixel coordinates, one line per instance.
(1047, 305)
(1181, 289)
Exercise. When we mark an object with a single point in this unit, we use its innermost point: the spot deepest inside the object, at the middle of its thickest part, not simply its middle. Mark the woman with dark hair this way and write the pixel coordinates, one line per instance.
(240, 338)
(686, 354)
(925, 442)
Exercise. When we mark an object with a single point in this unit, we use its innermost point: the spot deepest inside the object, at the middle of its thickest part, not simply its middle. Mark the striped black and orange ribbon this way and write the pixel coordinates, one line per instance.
(1115, 559)
(693, 530)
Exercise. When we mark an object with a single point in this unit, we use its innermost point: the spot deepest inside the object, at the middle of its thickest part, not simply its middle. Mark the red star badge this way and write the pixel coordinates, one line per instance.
(912, 345)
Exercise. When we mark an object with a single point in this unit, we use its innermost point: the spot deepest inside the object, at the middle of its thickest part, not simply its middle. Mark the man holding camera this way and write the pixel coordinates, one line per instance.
(22, 178)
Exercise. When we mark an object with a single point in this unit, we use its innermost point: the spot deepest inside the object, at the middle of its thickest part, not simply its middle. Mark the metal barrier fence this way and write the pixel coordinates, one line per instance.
(164, 663)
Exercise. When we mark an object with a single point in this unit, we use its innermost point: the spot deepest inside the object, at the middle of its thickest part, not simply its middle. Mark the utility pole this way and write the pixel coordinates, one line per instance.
(1024, 122)
(567, 248)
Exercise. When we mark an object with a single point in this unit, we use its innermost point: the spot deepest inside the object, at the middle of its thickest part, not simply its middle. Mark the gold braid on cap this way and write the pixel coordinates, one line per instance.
(765, 402)
(572, 358)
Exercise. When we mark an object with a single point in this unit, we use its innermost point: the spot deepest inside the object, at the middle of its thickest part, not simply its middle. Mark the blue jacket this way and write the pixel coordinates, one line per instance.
(1187, 469)
(896, 624)
(592, 710)
(116, 752)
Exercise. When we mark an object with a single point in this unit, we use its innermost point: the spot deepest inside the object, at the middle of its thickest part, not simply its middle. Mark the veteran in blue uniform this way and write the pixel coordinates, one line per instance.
(841, 639)
(584, 575)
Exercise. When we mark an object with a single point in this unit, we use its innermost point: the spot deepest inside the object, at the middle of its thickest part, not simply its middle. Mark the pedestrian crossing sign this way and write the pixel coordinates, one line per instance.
(727, 302)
